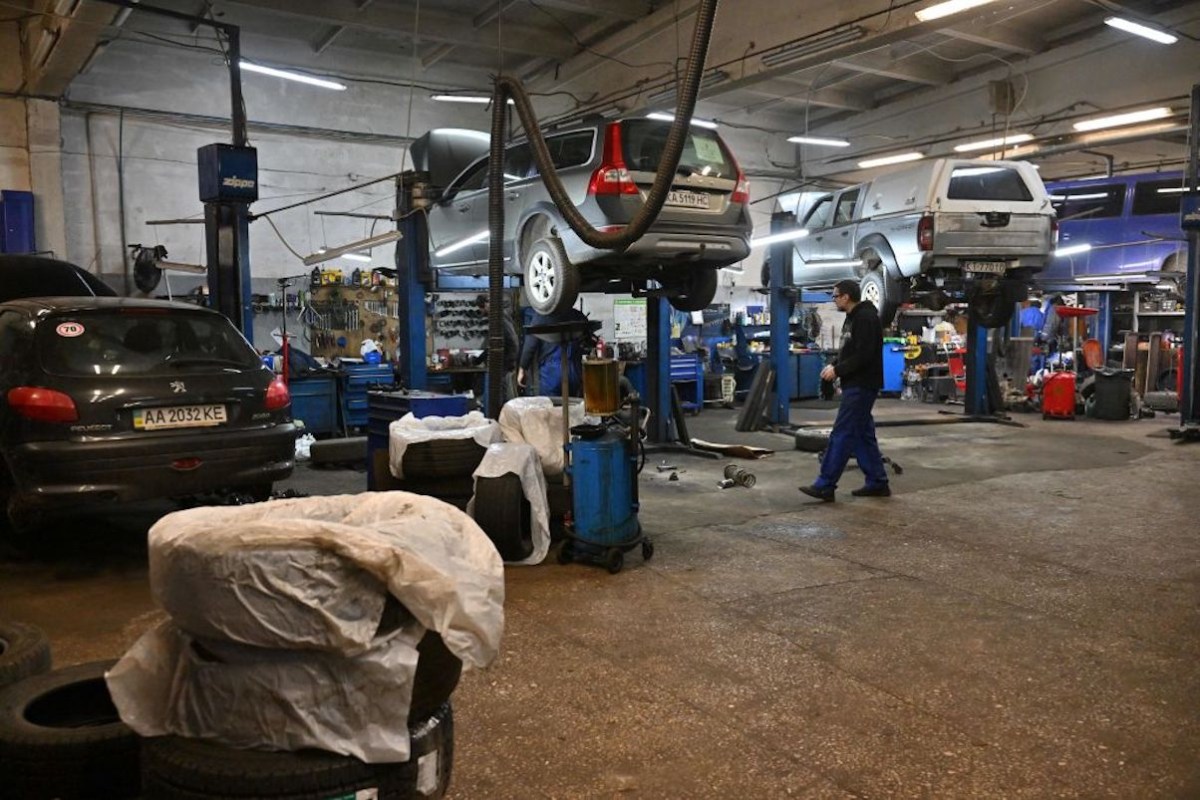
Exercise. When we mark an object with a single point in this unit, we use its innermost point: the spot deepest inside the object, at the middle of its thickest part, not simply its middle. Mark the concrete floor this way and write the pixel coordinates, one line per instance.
(1022, 619)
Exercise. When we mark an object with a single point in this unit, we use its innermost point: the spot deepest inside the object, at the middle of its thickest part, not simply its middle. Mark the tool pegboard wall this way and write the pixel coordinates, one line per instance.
(339, 318)
(457, 320)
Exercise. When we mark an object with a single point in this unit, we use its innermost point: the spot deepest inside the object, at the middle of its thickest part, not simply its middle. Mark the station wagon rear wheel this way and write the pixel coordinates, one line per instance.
(551, 281)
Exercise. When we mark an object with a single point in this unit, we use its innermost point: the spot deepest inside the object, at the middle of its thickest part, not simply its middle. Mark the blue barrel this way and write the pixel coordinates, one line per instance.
(602, 487)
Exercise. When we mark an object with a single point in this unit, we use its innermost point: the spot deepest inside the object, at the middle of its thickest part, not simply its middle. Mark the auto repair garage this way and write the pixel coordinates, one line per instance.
(593, 398)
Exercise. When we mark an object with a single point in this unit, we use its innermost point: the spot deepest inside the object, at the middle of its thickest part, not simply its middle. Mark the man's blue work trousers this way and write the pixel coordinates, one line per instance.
(853, 434)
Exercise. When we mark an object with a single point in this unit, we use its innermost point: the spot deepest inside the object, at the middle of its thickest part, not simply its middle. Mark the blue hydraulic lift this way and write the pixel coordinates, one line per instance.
(1189, 220)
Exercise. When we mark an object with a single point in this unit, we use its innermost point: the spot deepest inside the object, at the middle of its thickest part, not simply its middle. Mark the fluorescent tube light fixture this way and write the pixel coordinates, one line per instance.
(1128, 118)
(465, 98)
(785, 236)
(812, 45)
(462, 243)
(1072, 250)
(818, 141)
(1172, 190)
(1138, 29)
(298, 77)
(328, 254)
(939, 10)
(884, 161)
(993, 144)
(357, 257)
(700, 123)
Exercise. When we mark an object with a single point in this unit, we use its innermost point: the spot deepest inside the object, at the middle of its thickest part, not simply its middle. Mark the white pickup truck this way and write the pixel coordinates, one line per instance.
(948, 229)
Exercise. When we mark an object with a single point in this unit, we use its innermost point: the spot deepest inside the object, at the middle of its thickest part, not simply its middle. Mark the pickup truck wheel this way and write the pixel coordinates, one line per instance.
(697, 290)
(551, 281)
(875, 288)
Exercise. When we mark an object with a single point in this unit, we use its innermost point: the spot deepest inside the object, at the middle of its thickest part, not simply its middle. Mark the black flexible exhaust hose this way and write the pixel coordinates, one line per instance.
(506, 87)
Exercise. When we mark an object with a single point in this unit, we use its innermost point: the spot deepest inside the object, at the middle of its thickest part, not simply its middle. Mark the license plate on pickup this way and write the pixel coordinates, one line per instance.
(986, 267)
(154, 419)
(688, 199)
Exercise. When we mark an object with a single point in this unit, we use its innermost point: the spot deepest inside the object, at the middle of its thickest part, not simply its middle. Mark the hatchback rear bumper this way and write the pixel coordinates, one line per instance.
(51, 475)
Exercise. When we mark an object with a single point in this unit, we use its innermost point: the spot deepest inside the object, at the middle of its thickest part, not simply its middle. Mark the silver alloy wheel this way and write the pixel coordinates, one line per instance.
(871, 293)
(540, 277)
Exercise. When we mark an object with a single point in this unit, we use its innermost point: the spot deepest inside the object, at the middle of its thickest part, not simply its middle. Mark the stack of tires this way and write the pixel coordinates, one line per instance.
(442, 468)
(60, 735)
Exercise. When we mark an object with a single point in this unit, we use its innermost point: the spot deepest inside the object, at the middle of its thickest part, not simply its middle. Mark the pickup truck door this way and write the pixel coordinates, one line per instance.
(839, 239)
(823, 253)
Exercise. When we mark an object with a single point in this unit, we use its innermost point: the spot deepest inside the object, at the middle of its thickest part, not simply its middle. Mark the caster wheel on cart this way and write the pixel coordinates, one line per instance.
(647, 550)
(614, 560)
(566, 553)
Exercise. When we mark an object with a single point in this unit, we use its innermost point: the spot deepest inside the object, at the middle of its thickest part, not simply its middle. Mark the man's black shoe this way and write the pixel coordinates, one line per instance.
(873, 491)
(824, 495)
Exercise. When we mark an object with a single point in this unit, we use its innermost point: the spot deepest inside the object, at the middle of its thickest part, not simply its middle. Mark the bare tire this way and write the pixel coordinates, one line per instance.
(61, 737)
(24, 652)
(813, 440)
(696, 291)
(505, 515)
(551, 280)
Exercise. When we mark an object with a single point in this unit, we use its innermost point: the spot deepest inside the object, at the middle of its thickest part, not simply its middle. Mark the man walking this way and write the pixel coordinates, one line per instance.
(860, 366)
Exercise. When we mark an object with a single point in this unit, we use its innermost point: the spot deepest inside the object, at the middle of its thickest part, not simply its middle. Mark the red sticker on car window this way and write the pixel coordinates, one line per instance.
(69, 329)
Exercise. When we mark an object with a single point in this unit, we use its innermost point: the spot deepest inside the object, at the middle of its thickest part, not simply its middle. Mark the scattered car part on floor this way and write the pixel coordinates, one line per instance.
(24, 652)
(61, 737)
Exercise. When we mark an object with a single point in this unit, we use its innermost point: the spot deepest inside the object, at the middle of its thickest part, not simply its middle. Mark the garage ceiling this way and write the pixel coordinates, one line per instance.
(826, 69)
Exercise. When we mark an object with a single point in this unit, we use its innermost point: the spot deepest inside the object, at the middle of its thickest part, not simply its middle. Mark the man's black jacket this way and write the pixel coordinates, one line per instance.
(860, 361)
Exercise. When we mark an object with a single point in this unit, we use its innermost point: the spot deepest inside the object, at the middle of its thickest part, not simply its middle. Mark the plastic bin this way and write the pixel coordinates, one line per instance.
(1114, 393)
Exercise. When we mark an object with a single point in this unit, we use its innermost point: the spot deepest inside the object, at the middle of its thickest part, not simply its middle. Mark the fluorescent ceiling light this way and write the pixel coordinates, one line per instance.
(817, 140)
(1090, 196)
(702, 123)
(459, 245)
(967, 172)
(465, 98)
(812, 45)
(357, 257)
(1072, 250)
(328, 254)
(992, 144)
(883, 161)
(786, 236)
(1129, 118)
(1172, 190)
(1138, 29)
(298, 77)
(940, 10)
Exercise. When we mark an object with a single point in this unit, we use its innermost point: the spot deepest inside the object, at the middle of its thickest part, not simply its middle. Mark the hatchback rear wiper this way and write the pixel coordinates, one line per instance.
(188, 361)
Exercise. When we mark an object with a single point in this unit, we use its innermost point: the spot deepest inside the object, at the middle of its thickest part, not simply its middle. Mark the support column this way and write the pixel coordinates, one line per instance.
(412, 256)
(977, 404)
(1104, 322)
(227, 241)
(1189, 405)
(658, 368)
(780, 261)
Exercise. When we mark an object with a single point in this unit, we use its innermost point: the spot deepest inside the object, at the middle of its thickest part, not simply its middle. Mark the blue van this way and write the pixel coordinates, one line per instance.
(1124, 228)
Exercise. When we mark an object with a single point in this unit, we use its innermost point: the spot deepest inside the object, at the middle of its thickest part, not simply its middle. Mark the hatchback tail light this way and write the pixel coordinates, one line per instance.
(925, 233)
(612, 177)
(278, 397)
(43, 405)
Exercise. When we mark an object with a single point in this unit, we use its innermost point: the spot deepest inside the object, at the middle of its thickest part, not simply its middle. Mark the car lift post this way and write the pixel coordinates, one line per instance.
(412, 262)
(658, 369)
(1103, 322)
(1189, 405)
(779, 259)
(976, 402)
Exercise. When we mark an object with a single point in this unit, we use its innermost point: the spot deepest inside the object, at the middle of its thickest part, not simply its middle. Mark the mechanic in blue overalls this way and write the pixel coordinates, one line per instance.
(548, 359)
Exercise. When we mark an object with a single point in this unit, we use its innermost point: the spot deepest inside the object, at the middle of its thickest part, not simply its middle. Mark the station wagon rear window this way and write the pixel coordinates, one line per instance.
(988, 183)
(643, 142)
(140, 342)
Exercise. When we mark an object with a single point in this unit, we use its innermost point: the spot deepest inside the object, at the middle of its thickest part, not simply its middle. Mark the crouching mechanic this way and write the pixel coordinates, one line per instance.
(859, 365)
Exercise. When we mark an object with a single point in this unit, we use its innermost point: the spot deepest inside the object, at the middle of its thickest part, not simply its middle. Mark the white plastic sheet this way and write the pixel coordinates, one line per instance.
(409, 430)
(172, 684)
(537, 421)
(427, 554)
(521, 460)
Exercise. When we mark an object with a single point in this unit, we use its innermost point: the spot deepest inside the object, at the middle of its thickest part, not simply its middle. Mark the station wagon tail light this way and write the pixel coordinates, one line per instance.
(612, 177)
(43, 405)
(741, 193)
(925, 233)
(278, 397)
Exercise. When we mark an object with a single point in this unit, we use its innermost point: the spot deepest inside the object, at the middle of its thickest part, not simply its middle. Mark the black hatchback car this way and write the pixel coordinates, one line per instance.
(110, 400)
